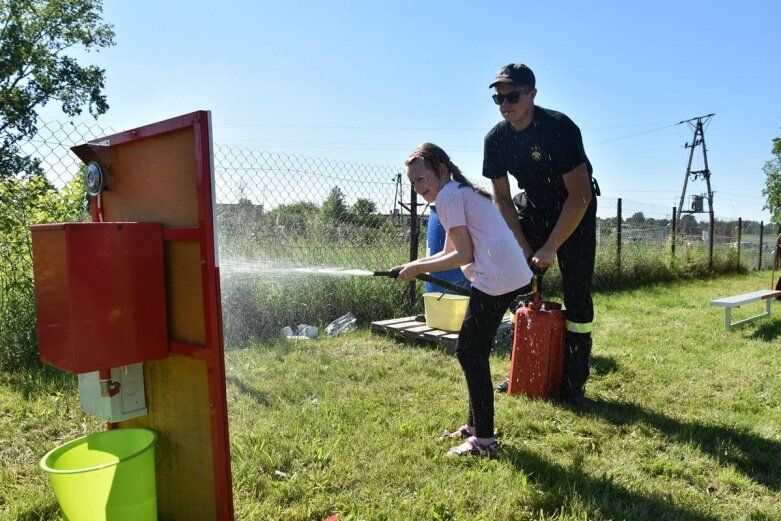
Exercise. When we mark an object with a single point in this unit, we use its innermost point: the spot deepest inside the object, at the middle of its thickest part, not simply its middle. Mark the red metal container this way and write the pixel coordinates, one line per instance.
(537, 363)
(99, 294)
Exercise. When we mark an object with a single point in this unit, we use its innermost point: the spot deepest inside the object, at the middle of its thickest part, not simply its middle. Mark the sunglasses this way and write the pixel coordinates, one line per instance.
(511, 97)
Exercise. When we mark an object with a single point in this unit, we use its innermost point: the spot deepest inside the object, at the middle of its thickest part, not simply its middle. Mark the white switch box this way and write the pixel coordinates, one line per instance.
(129, 402)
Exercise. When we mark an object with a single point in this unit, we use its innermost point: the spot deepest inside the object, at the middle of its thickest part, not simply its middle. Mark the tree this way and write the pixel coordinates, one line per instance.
(364, 213)
(772, 190)
(687, 224)
(37, 41)
(362, 209)
(35, 68)
(334, 209)
(295, 217)
(637, 219)
(24, 200)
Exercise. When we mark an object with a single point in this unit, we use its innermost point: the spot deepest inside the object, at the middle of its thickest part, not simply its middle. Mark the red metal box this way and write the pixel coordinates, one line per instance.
(537, 362)
(99, 294)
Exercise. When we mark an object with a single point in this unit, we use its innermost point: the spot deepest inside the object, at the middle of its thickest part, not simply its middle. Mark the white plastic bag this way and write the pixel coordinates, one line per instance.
(302, 332)
(343, 324)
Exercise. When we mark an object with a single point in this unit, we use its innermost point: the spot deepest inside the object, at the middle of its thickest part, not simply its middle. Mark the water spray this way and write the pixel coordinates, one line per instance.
(230, 268)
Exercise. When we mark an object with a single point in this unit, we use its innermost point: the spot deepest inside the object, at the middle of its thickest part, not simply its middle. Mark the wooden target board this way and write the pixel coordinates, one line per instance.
(163, 173)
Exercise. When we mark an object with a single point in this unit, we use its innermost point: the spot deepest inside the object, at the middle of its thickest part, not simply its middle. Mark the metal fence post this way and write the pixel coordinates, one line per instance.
(761, 246)
(672, 235)
(740, 237)
(711, 238)
(414, 236)
(618, 238)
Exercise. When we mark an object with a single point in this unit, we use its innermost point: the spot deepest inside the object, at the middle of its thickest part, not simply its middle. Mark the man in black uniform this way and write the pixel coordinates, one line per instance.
(543, 150)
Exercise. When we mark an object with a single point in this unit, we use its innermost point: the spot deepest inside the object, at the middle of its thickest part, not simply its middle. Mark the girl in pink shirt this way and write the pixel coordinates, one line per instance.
(479, 241)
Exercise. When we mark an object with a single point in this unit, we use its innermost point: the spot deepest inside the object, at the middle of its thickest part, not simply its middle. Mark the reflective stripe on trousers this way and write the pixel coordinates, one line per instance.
(575, 327)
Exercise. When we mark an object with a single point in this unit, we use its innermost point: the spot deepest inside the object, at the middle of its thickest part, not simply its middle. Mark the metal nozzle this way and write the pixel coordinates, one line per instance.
(392, 274)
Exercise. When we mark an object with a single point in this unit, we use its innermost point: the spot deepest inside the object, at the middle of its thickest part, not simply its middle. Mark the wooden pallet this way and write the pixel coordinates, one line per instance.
(414, 330)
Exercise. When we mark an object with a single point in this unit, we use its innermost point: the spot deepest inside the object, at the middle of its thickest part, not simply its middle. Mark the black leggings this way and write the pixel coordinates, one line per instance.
(473, 349)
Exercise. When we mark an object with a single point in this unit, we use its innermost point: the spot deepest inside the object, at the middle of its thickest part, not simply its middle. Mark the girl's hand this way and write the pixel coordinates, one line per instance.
(407, 272)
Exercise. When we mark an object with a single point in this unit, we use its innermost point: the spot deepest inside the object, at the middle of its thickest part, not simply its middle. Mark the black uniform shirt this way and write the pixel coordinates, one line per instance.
(537, 157)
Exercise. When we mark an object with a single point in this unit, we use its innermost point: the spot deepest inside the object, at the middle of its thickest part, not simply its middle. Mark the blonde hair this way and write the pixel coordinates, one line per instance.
(433, 156)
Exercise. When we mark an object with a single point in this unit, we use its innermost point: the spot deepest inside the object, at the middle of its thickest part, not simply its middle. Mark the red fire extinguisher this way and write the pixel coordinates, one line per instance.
(537, 363)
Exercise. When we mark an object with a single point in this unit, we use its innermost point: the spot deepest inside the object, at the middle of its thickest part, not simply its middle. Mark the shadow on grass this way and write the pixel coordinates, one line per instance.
(756, 457)
(768, 331)
(602, 365)
(612, 500)
(257, 396)
(39, 379)
(36, 514)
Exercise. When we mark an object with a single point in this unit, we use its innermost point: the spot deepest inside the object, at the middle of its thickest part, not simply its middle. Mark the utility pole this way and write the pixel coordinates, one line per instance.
(698, 139)
(396, 199)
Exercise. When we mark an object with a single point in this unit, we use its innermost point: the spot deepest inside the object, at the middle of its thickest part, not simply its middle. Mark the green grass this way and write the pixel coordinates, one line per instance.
(258, 305)
(683, 422)
(39, 410)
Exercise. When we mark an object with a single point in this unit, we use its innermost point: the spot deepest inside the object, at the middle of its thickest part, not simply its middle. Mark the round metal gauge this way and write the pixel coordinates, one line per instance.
(93, 178)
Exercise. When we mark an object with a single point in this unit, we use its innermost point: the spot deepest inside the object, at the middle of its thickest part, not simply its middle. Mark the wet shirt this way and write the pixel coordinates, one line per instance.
(537, 157)
(499, 266)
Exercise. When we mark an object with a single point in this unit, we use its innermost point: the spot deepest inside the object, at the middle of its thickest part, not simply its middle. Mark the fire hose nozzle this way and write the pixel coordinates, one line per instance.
(392, 274)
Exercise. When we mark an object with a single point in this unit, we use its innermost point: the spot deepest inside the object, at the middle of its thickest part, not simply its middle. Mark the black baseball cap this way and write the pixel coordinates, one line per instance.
(515, 74)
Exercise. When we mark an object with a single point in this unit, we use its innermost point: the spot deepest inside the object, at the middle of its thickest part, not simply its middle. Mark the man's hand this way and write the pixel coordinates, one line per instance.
(544, 257)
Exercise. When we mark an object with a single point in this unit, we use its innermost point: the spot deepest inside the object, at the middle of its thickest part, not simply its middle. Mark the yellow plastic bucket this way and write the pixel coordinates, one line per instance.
(445, 311)
(107, 476)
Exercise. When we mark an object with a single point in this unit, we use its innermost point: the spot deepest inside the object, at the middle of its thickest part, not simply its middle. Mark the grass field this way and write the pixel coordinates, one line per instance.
(683, 422)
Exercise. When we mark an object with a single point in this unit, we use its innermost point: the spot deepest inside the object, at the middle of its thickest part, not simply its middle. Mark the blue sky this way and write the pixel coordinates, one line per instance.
(367, 81)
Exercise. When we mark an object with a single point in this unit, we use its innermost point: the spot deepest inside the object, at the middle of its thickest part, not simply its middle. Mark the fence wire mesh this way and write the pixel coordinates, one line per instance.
(289, 210)
(279, 210)
(49, 190)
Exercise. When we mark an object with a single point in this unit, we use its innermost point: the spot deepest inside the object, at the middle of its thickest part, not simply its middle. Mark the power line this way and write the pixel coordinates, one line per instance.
(631, 135)
(632, 126)
(739, 195)
(331, 145)
(367, 127)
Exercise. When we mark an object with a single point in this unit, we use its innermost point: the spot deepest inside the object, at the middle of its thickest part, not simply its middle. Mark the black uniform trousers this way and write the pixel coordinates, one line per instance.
(576, 264)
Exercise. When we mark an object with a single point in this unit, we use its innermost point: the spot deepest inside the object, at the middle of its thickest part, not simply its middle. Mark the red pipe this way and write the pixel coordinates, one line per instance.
(107, 387)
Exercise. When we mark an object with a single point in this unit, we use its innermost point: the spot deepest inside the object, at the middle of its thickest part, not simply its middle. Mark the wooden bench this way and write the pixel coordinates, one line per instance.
(746, 298)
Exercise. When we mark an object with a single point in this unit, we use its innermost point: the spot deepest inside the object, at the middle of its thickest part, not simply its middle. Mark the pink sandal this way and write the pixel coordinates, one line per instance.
(463, 432)
(472, 447)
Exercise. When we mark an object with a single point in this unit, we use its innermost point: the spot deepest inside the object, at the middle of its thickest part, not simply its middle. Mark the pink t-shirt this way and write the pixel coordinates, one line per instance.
(499, 265)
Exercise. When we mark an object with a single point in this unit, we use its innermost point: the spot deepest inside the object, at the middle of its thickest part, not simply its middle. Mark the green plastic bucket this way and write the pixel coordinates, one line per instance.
(108, 476)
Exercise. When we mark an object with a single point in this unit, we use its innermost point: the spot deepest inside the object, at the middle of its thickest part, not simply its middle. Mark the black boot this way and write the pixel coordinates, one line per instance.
(577, 351)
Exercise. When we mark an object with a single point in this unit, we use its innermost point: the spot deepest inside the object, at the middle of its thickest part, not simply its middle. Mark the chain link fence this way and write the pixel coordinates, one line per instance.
(50, 190)
(280, 213)
(284, 210)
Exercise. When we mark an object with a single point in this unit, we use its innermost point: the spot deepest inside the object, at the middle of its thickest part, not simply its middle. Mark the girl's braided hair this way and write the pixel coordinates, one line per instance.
(433, 156)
